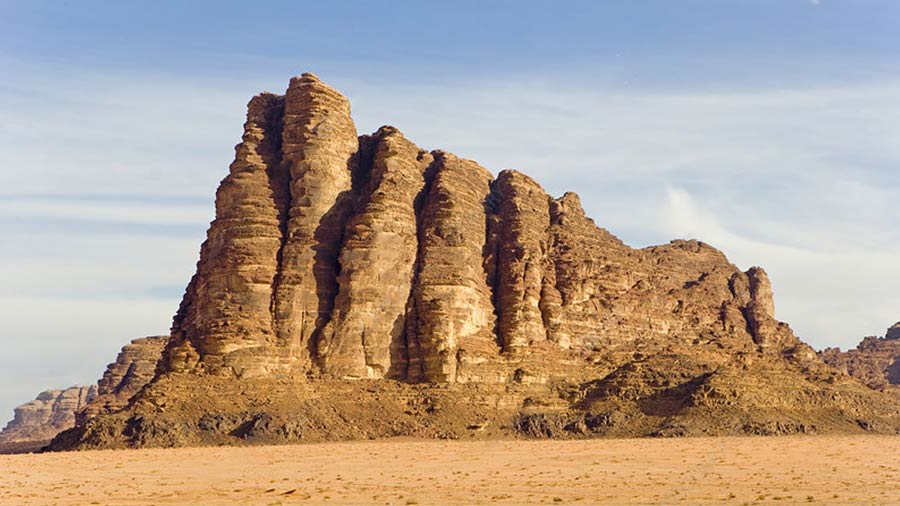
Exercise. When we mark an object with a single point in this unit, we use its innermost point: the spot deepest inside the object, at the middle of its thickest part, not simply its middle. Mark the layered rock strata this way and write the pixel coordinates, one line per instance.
(135, 366)
(51, 412)
(370, 258)
(319, 151)
(365, 337)
(451, 309)
(875, 361)
(225, 323)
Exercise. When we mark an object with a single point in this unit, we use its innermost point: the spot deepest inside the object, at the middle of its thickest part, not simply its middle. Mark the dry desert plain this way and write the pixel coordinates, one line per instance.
(743, 470)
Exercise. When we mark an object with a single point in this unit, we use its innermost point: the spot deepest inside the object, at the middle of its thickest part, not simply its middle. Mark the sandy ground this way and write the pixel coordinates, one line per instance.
(785, 470)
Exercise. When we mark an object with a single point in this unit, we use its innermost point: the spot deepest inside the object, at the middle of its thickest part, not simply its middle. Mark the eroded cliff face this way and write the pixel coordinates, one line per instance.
(369, 257)
(365, 336)
(135, 366)
(360, 286)
(225, 324)
(875, 361)
(51, 412)
(54, 411)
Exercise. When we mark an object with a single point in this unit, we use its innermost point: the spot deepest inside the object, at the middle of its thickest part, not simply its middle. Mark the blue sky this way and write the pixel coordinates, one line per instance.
(767, 128)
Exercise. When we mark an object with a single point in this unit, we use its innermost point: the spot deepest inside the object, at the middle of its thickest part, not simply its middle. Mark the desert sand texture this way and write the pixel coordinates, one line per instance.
(751, 470)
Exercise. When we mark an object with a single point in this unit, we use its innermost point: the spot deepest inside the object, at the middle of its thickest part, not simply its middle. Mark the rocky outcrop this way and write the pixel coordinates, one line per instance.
(57, 410)
(365, 336)
(51, 412)
(893, 332)
(523, 219)
(365, 282)
(225, 323)
(451, 319)
(266, 279)
(135, 366)
(875, 361)
(320, 152)
(368, 257)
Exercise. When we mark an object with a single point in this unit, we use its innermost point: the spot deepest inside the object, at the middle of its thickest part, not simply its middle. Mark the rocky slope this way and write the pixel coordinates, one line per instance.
(875, 361)
(135, 366)
(51, 412)
(360, 286)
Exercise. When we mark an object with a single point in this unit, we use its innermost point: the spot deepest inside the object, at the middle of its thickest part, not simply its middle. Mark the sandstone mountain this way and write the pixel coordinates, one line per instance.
(875, 361)
(360, 286)
(52, 411)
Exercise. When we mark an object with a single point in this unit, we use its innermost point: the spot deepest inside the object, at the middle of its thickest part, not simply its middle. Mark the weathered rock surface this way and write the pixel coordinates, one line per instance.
(320, 151)
(225, 323)
(451, 319)
(893, 332)
(365, 336)
(362, 287)
(369, 258)
(56, 410)
(43, 418)
(135, 366)
(875, 361)
(523, 245)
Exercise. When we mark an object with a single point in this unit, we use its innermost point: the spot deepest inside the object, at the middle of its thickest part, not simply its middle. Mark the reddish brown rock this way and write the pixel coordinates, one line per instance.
(375, 259)
(523, 245)
(336, 258)
(893, 332)
(51, 412)
(225, 325)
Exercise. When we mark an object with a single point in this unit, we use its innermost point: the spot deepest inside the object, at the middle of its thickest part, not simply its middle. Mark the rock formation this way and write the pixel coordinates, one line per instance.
(364, 337)
(51, 412)
(359, 286)
(875, 361)
(56, 410)
(369, 257)
(135, 366)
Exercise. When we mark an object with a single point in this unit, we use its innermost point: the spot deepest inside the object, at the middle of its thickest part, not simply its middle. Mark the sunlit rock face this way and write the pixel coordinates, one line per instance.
(875, 361)
(369, 257)
(51, 412)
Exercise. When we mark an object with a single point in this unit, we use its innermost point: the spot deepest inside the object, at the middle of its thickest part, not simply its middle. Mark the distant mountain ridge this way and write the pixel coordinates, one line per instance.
(37, 422)
(49, 413)
(875, 361)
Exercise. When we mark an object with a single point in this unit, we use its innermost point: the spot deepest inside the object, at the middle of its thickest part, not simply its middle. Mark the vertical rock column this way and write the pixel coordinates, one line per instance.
(451, 300)
(752, 292)
(760, 312)
(319, 146)
(524, 214)
(135, 366)
(365, 336)
(224, 324)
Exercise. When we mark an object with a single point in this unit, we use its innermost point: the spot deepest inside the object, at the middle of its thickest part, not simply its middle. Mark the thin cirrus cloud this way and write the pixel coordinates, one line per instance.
(109, 184)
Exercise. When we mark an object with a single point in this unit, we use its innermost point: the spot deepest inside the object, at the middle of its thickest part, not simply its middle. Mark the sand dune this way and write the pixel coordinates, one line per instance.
(785, 470)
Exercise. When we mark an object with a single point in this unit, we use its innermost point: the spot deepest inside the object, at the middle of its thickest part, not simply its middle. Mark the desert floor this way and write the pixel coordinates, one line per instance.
(783, 470)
